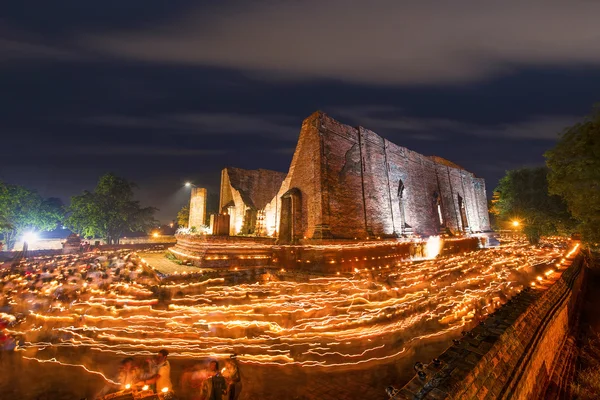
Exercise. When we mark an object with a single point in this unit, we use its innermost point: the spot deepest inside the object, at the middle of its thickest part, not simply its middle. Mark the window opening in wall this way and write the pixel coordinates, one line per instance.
(404, 226)
(463, 213)
(437, 201)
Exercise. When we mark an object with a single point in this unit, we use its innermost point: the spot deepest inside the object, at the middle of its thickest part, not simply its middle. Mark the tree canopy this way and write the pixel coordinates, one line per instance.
(575, 174)
(23, 210)
(109, 211)
(523, 196)
(183, 216)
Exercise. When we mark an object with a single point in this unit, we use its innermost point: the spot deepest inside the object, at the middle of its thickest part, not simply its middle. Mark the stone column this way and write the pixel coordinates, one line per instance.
(197, 207)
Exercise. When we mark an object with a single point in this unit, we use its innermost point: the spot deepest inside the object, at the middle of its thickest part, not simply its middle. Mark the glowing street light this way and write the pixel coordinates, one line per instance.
(516, 223)
(188, 184)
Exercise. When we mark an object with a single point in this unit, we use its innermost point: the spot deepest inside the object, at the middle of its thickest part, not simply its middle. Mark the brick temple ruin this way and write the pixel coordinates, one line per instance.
(350, 200)
(350, 183)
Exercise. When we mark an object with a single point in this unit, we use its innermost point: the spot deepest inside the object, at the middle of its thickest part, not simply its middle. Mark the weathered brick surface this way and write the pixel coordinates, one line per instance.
(197, 207)
(349, 181)
(243, 189)
(522, 343)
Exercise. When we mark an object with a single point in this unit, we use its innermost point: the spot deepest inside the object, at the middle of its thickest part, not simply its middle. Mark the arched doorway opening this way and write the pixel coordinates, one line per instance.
(291, 216)
(463, 214)
(405, 228)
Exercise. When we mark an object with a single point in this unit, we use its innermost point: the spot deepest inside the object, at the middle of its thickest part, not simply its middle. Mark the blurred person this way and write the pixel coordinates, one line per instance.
(214, 387)
(128, 375)
(160, 372)
(231, 374)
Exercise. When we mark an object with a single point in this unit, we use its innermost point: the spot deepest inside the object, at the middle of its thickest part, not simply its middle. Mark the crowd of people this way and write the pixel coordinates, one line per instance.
(47, 282)
(206, 381)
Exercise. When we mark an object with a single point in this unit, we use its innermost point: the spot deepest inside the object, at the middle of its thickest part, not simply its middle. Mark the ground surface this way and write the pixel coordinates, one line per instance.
(338, 337)
(166, 266)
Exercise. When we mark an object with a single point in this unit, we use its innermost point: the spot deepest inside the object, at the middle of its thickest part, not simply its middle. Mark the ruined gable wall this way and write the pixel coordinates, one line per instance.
(342, 181)
(251, 188)
(349, 179)
(379, 215)
(259, 186)
(305, 175)
(230, 194)
(225, 195)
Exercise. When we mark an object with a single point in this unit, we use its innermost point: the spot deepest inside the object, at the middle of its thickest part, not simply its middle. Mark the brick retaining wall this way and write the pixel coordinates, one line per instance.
(515, 353)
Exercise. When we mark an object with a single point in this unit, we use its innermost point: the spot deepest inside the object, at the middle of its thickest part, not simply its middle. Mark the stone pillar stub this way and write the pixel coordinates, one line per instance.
(197, 207)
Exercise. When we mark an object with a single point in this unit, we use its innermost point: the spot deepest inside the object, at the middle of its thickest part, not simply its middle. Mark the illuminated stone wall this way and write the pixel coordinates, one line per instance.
(197, 207)
(351, 180)
(246, 196)
(352, 183)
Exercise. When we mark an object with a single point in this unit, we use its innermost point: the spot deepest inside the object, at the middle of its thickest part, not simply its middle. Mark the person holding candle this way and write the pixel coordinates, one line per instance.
(160, 373)
(127, 376)
(214, 387)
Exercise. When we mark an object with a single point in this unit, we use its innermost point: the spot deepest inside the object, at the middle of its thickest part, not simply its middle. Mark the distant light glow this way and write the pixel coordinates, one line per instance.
(433, 247)
(516, 223)
(155, 234)
(30, 237)
(188, 184)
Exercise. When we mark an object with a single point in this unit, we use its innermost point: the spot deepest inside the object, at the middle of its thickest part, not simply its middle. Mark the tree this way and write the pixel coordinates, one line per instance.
(109, 211)
(575, 174)
(23, 210)
(183, 216)
(523, 195)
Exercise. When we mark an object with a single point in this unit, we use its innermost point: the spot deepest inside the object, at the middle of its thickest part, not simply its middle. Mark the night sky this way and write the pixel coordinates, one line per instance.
(162, 92)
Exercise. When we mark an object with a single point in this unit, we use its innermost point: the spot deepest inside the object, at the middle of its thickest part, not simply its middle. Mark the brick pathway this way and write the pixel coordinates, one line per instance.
(160, 263)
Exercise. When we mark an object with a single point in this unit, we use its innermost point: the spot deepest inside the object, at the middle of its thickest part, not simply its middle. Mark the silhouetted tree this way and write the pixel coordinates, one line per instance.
(109, 211)
(23, 210)
(575, 174)
(522, 194)
(183, 216)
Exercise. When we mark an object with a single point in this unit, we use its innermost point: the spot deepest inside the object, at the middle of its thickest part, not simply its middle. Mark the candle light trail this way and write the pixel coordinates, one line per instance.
(327, 322)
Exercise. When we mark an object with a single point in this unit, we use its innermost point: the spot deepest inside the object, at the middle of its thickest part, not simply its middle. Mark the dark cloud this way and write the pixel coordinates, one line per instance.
(381, 42)
(206, 123)
(394, 120)
(164, 92)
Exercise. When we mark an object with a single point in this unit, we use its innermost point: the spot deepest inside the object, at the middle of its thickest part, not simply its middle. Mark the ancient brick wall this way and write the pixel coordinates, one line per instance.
(342, 180)
(197, 207)
(362, 179)
(378, 204)
(480, 194)
(352, 183)
(243, 190)
(305, 175)
(514, 354)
